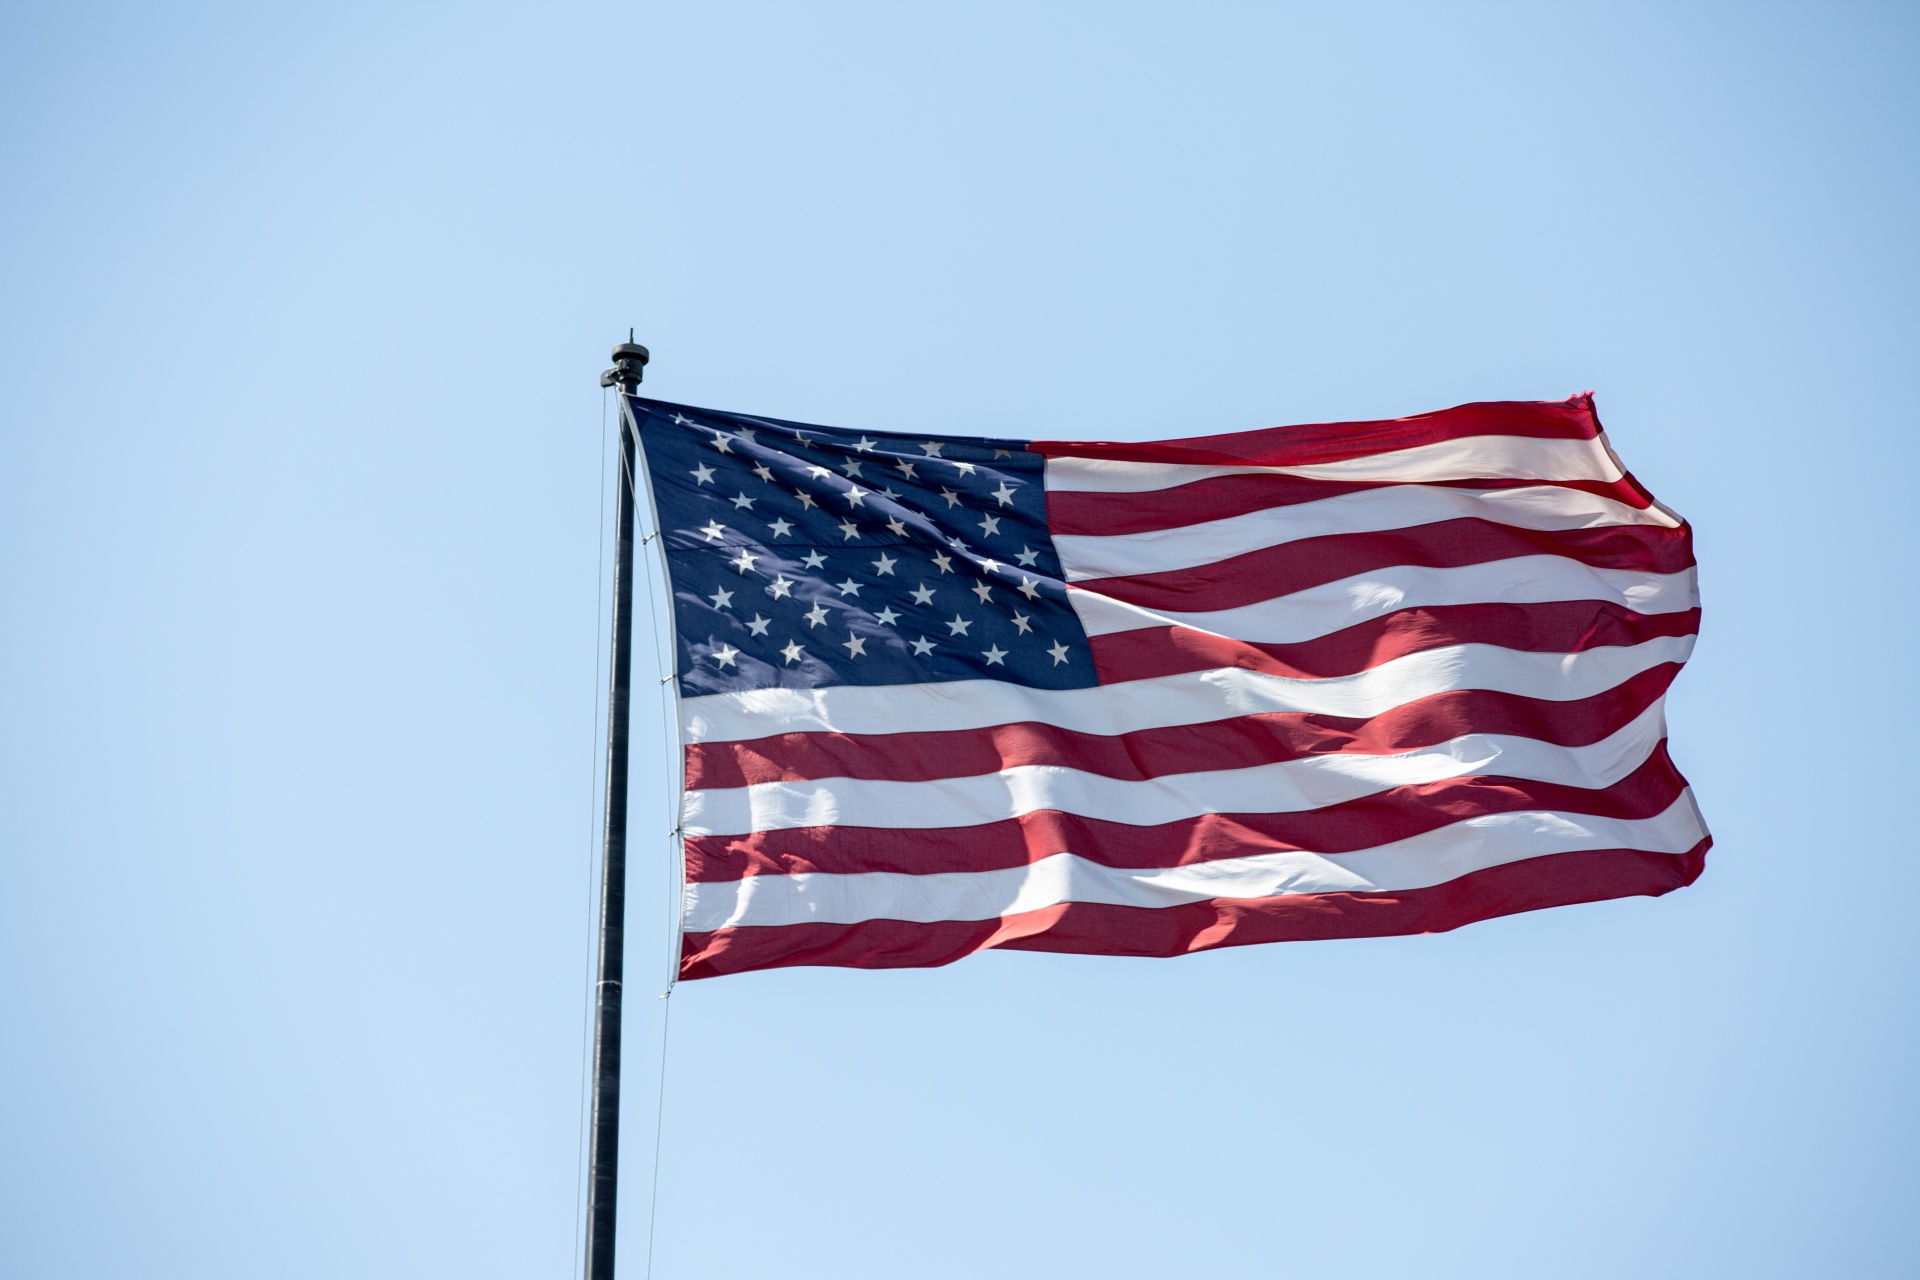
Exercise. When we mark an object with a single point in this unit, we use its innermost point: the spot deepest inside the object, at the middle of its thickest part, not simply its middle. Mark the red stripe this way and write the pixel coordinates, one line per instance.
(1238, 742)
(1382, 818)
(1562, 626)
(1099, 929)
(1570, 419)
(1448, 544)
(1098, 514)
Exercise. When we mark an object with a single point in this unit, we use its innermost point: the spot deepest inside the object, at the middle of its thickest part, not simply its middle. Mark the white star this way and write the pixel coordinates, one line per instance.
(1001, 453)
(958, 626)
(988, 524)
(849, 530)
(851, 466)
(780, 528)
(702, 474)
(1059, 652)
(816, 615)
(982, 590)
(864, 445)
(1022, 623)
(1003, 495)
(757, 624)
(923, 594)
(890, 495)
(994, 656)
(714, 530)
(748, 433)
(722, 598)
(849, 587)
(886, 617)
(1027, 556)
(806, 499)
(818, 472)
(779, 588)
(793, 651)
(764, 471)
(1028, 590)
(681, 420)
(944, 560)
(813, 559)
(965, 468)
(988, 565)
(723, 443)
(953, 499)
(897, 527)
(922, 647)
(906, 468)
(725, 655)
(932, 448)
(743, 561)
(957, 545)
(856, 647)
(742, 502)
(884, 564)
(854, 494)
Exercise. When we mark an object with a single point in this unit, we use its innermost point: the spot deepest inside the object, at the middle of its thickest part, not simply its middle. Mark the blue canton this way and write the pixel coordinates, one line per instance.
(804, 556)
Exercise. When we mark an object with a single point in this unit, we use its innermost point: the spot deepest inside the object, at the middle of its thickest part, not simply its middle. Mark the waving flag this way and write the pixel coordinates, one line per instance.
(1340, 680)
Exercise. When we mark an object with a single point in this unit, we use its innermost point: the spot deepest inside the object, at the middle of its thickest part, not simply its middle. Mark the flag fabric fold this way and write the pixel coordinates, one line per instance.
(1337, 680)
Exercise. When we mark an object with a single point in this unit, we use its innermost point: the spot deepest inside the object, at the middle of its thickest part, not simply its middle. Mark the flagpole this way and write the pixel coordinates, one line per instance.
(603, 1160)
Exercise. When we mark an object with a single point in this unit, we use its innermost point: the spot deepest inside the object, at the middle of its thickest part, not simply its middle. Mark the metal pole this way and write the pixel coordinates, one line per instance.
(603, 1160)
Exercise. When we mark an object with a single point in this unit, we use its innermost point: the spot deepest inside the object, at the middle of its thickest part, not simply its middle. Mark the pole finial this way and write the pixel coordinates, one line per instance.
(629, 364)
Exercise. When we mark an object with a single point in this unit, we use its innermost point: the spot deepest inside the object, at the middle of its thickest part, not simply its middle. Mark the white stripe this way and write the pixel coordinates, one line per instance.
(1287, 786)
(1547, 507)
(1335, 606)
(1418, 862)
(1469, 458)
(1190, 697)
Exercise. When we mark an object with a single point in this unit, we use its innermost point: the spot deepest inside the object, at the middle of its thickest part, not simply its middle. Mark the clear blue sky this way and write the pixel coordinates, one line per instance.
(303, 308)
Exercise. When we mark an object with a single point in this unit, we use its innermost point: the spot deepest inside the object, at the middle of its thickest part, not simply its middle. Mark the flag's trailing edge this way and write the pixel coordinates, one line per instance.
(1339, 680)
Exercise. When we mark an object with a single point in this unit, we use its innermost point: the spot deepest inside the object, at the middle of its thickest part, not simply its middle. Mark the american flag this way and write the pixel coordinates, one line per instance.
(1339, 680)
